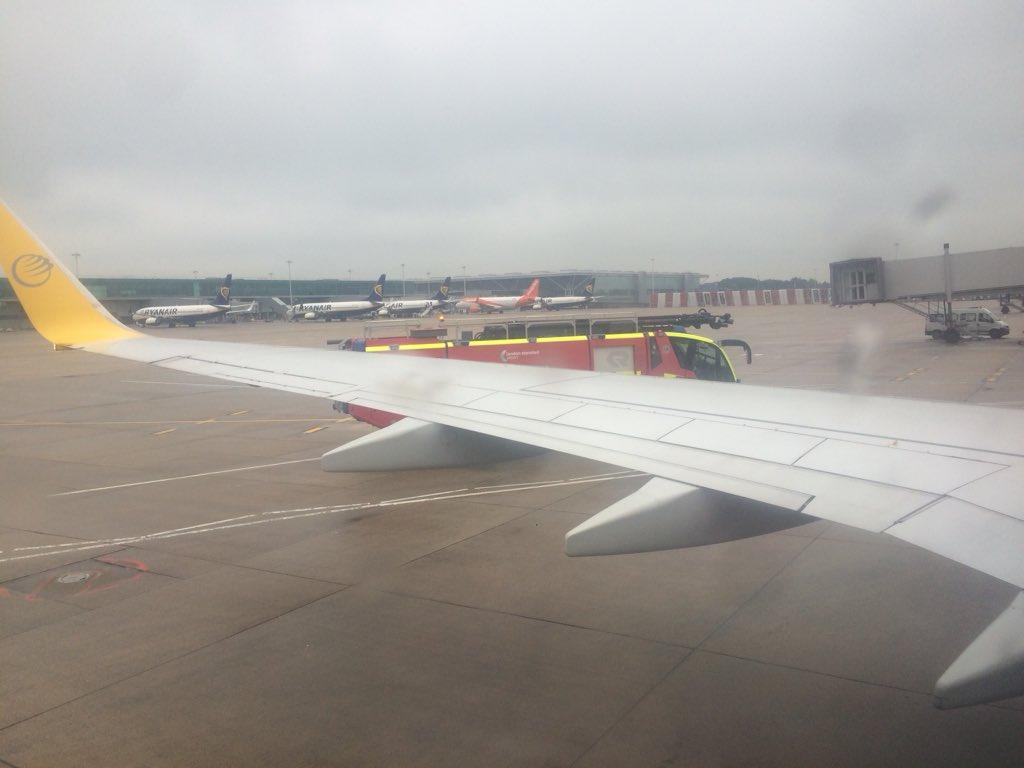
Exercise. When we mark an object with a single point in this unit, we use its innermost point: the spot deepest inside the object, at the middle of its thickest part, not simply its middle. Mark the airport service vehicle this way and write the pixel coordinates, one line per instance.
(439, 302)
(969, 321)
(190, 314)
(569, 302)
(339, 310)
(669, 354)
(500, 303)
(725, 462)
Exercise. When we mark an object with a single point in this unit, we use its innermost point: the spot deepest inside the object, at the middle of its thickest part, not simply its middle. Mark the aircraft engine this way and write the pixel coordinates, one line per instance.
(309, 316)
(152, 321)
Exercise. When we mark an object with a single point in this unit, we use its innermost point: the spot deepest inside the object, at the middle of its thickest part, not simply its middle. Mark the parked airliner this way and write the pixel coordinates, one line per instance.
(569, 302)
(339, 310)
(422, 307)
(190, 314)
(525, 300)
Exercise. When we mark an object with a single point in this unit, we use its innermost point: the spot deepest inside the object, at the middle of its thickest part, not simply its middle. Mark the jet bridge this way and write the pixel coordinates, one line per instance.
(996, 274)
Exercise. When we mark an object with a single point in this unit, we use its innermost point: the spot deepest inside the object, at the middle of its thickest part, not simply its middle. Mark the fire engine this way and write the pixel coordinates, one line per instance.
(660, 352)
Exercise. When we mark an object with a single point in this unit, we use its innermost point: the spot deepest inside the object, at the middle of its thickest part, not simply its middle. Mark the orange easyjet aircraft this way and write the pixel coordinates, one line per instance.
(501, 303)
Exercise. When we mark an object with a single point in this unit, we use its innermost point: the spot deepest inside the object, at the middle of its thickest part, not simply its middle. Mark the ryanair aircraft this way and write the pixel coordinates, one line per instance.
(190, 314)
(339, 310)
(569, 302)
(422, 307)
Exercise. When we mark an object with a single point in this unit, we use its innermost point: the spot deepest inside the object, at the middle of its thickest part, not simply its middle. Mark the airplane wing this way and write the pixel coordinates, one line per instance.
(727, 461)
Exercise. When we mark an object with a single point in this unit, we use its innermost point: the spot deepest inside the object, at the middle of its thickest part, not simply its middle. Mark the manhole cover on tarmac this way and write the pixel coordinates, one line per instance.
(75, 577)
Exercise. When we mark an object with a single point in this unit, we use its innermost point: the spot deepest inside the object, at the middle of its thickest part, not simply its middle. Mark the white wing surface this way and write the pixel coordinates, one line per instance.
(874, 463)
(946, 477)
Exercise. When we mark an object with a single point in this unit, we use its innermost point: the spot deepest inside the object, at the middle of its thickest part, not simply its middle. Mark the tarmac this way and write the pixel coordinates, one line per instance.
(180, 585)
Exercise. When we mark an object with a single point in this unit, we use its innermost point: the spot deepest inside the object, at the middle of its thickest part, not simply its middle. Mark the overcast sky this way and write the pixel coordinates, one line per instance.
(722, 137)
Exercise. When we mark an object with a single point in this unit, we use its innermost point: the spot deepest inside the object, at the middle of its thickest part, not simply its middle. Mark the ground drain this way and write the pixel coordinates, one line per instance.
(74, 577)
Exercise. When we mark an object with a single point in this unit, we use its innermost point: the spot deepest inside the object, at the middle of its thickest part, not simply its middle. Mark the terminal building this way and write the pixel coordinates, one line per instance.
(124, 295)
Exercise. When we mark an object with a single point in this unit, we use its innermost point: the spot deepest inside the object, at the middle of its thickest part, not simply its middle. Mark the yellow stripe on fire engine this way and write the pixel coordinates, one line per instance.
(493, 342)
(678, 335)
(403, 347)
(544, 339)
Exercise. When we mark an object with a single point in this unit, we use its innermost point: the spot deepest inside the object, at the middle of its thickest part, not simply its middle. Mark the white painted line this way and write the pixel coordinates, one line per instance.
(428, 495)
(582, 477)
(185, 384)
(166, 421)
(244, 521)
(184, 477)
(129, 538)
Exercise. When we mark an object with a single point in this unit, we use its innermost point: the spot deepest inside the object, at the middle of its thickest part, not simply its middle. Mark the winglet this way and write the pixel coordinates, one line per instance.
(59, 306)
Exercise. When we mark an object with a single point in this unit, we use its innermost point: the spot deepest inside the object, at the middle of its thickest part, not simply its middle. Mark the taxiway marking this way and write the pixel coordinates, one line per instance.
(311, 430)
(184, 477)
(106, 542)
(184, 383)
(244, 521)
(164, 431)
(909, 374)
(165, 421)
(992, 379)
(513, 486)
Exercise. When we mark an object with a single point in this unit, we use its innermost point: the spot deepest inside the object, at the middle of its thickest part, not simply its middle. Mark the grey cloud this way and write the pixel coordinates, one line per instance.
(219, 135)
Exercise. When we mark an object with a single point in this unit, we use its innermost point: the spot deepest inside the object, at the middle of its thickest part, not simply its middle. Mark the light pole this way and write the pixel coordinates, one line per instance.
(428, 283)
(403, 280)
(464, 294)
(195, 282)
(350, 279)
(652, 276)
(76, 255)
(291, 297)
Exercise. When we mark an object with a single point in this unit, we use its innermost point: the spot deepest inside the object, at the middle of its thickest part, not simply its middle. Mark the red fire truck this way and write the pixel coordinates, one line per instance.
(670, 354)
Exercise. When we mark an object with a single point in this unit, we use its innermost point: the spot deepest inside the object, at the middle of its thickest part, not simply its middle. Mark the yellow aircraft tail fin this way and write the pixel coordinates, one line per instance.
(59, 306)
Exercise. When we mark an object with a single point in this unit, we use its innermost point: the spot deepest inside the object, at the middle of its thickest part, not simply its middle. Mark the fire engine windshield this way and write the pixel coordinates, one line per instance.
(705, 360)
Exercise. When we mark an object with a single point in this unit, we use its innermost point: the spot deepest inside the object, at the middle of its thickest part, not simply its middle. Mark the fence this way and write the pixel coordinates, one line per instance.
(766, 297)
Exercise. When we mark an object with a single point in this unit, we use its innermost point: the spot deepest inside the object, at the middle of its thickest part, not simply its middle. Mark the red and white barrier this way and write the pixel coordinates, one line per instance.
(764, 297)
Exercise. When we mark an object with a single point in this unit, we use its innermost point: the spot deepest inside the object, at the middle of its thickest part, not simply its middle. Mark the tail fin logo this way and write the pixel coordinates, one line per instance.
(31, 270)
(378, 290)
(225, 292)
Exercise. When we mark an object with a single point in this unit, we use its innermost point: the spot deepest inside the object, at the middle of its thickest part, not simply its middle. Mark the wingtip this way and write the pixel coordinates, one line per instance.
(57, 304)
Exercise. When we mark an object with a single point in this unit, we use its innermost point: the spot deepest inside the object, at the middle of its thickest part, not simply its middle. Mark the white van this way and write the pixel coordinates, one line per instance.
(970, 321)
